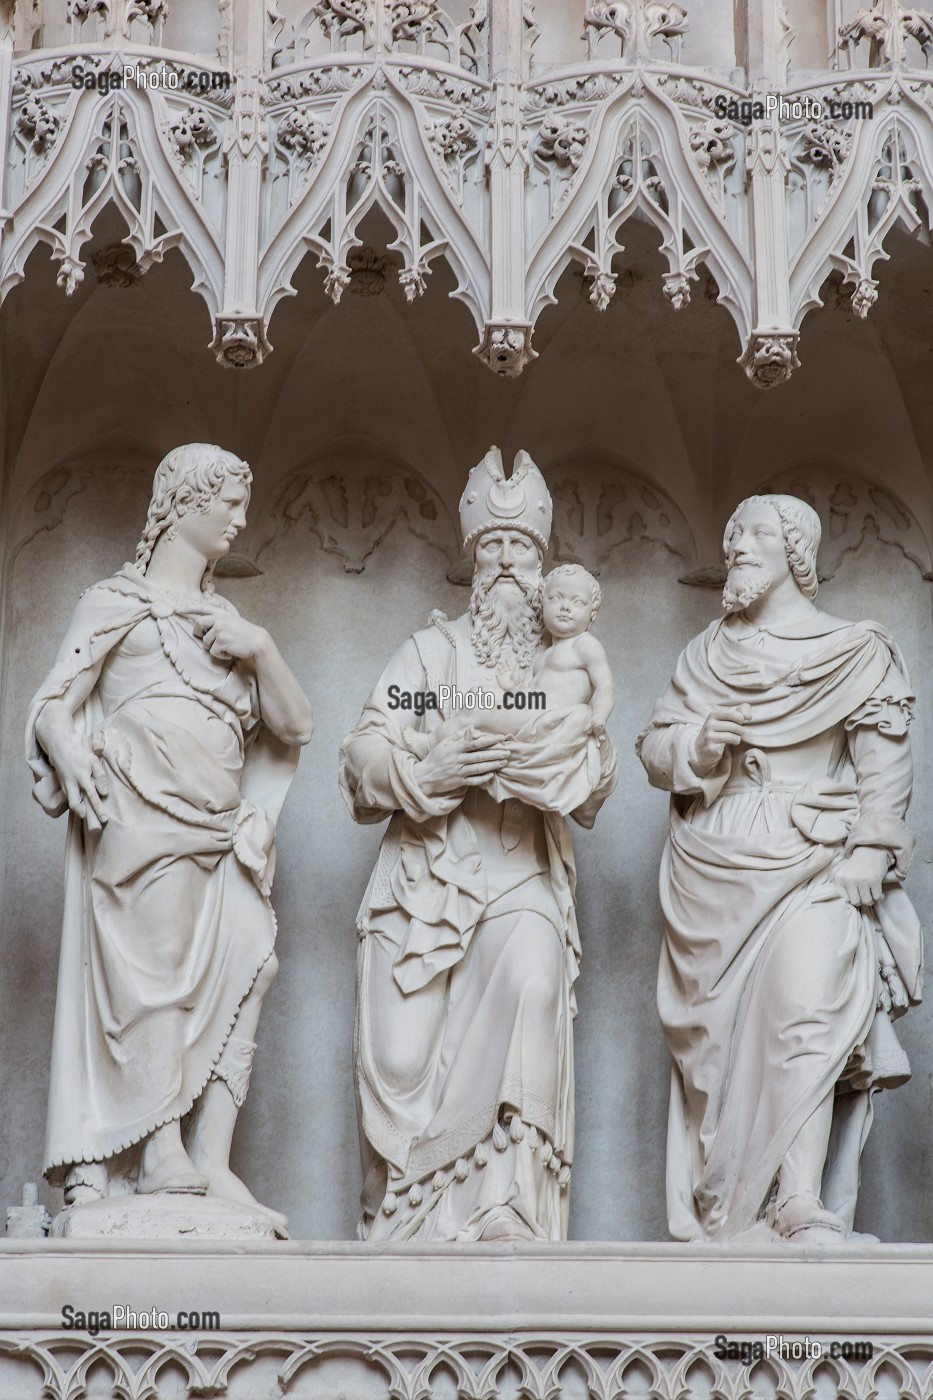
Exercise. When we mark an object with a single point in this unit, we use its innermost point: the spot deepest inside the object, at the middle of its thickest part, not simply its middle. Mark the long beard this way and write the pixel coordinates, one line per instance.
(501, 622)
(745, 584)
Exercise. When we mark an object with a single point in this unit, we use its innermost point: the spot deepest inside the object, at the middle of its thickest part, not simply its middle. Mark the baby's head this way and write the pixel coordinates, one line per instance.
(570, 600)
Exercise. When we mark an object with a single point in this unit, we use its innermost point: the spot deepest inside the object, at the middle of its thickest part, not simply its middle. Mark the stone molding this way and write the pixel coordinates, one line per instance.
(604, 1320)
(474, 157)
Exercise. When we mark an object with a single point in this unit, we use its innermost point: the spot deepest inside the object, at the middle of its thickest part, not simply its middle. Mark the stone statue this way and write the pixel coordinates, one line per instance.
(469, 947)
(169, 728)
(789, 944)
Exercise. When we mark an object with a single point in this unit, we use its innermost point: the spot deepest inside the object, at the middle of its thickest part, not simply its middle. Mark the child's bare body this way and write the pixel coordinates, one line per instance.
(574, 669)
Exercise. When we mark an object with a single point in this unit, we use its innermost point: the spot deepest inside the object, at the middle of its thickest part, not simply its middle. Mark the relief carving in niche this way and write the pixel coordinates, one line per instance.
(852, 509)
(45, 505)
(598, 508)
(352, 503)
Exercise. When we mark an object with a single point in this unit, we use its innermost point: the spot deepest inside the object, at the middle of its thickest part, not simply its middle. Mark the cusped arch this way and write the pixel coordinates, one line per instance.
(886, 180)
(637, 164)
(378, 156)
(111, 153)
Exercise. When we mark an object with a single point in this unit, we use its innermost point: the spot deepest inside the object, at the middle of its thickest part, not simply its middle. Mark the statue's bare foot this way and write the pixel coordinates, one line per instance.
(164, 1165)
(227, 1186)
(804, 1219)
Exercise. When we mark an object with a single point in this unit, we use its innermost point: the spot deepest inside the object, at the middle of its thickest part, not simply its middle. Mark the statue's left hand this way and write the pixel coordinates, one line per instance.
(226, 635)
(860, 876)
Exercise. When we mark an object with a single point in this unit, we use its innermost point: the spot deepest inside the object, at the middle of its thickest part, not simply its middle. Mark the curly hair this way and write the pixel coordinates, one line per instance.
(188, 478)
(802, 532)
(570, 571)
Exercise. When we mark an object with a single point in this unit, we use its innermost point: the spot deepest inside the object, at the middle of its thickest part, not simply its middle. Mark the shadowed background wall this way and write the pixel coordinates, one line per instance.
(360, 430)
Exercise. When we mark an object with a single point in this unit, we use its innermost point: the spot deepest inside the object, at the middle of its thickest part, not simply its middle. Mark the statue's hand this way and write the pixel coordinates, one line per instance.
(228, 636)
(465, 759)
(892, 994)
(82, 776)
(724, 726)
(859, 877)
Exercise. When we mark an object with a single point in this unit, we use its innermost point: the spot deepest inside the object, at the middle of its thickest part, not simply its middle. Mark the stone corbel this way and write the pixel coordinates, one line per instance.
(240, 341)
(507, 349)
(770, 356)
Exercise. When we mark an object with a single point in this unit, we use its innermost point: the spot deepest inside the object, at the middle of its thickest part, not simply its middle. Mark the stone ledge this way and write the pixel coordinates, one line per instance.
(295, 1286)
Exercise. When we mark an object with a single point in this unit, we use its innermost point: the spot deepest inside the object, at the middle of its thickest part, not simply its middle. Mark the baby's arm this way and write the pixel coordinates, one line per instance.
(593, 656)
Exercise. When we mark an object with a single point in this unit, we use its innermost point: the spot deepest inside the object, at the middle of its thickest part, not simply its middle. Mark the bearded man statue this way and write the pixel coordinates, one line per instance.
(789, 943)
(468, 942)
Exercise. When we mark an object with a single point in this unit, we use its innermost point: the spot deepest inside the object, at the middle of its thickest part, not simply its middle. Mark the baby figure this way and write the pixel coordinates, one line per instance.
(573, 669)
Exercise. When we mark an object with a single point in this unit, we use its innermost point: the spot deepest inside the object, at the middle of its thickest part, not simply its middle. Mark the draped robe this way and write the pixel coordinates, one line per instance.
(468, 954)
(167, 918)
(768, 987)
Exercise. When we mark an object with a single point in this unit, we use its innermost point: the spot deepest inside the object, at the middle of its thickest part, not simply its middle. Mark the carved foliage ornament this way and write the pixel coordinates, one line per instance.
(192, 129)
(452, 137)
(405, 20)
(635, 22)
(351, 506)
(37, 124)
(826, 145)
(562, 142)
(599, 508)
(887, 26)
(711, 144)
(119, 15)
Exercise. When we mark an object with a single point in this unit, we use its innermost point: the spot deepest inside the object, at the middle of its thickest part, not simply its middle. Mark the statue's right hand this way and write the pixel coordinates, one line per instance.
(465, 759)
(723, 727)
(83, 778)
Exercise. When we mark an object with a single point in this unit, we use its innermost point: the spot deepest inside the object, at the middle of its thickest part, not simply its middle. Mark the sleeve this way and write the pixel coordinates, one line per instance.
(377, 766)
(666, 752)
(879, 743)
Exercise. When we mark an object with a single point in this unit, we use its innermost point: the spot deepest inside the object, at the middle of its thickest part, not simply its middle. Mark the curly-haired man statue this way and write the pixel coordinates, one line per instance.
(169, 729)
(789, 943)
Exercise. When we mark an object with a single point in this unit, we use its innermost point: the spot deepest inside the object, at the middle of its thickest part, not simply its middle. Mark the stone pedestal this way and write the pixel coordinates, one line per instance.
(163, 1217)
(316, 1320)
